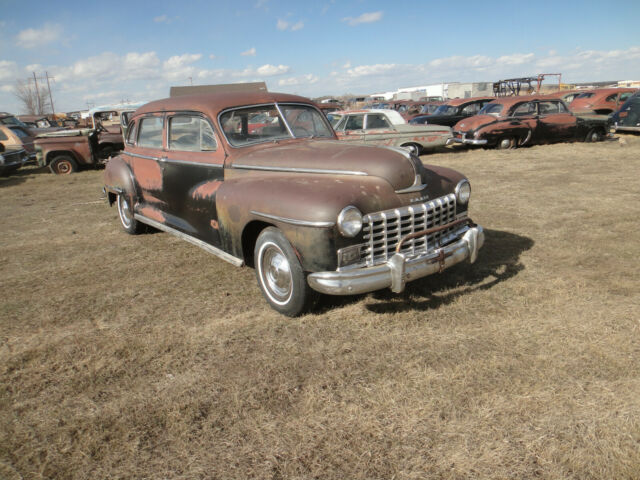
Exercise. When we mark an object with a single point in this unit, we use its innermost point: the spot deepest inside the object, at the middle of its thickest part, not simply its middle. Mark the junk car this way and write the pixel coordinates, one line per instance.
(16, 137)
(453, 111)
(310, 213)
(511, 122)
(601, 101)
(388, 128)
(627, 119)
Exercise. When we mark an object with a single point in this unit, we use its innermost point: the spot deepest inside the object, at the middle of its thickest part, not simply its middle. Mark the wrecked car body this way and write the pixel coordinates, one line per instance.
(601, 101)
(11, 159)
(310, 213)
(511, 122)
(387, 128)
(453, 111)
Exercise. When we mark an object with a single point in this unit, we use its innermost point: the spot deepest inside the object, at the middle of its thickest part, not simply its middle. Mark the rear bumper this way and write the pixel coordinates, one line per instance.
(466, 141)
(399, 269)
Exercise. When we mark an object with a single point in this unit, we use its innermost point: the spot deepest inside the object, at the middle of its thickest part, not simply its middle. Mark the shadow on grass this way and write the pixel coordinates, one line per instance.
(21, 175)
(498, 261)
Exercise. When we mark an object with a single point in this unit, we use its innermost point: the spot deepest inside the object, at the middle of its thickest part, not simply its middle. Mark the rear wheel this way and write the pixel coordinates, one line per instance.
(280, 275)
(506, 143)
(125, 212)
(63, 165)
(594, 135)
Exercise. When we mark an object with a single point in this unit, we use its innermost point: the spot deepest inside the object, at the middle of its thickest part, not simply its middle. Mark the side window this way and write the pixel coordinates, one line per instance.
(528, 108)
(3, 136)
(562, 108)
(131, 134)
(150, 132)
(189, 133)
(355, 122)
(611, 98)
(471, 109)
(19, 132)
(377, 121)
(624, 96)
(548, 108)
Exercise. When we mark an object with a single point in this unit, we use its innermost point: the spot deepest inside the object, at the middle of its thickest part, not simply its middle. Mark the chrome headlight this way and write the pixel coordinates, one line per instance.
(350, 221)
(463, 192)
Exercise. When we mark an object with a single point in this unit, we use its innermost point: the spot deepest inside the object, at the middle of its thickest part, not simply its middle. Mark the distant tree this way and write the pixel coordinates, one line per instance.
(34, 101)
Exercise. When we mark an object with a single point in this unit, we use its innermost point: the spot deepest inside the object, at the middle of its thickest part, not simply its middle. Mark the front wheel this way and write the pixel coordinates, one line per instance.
(506, 143)
(125, 212)
(63, 165)
(280, 275)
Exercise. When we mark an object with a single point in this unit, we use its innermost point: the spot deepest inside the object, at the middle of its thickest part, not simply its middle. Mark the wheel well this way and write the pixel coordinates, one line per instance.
(54, 154)
(604, 111)
(112, 198)
(249, 237)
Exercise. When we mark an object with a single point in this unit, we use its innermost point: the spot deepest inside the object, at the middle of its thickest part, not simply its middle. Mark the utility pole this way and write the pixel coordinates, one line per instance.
(53, 110)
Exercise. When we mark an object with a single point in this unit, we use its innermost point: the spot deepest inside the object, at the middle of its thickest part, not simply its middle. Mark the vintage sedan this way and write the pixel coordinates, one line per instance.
(387, 128)
(601, 101)
(511, 122)
(309, 212)
(453, 111)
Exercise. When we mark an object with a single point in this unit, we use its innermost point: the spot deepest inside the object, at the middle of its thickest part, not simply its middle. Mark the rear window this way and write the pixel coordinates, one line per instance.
(584, 95)
(491, 109)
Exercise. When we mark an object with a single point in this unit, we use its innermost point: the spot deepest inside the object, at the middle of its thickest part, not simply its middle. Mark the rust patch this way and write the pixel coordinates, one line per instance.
(206, 190)
(153, 214)
(148, 174)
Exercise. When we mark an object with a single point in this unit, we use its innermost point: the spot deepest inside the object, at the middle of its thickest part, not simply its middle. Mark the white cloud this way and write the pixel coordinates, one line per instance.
(249, 53)
(271, 70)
(32, 38)
(378, 69)
(282, 25)
(302, 80)
(212, 56)
(347, 65)
(161, 19)
(7, 88)
(364, 18)
(179, 67)
(297, 26)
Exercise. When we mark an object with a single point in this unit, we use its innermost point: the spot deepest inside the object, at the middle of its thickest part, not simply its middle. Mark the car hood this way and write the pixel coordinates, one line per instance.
(471, 123)
(332, 157)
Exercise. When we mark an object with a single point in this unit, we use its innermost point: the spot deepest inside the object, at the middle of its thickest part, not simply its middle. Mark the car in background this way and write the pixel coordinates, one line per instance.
(309, 212)
(627, 118)
(16, 137)
(387, 128)
(567, 96)
(601, 101)
(453, 111)
(511, 122)
(420, 109)
(11, 159)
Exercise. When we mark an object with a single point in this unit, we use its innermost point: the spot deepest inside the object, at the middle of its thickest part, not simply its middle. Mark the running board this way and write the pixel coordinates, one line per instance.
(238, 262)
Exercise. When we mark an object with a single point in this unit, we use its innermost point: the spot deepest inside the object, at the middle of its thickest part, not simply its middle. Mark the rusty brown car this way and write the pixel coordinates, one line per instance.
(601, 101)
(310, 213)
(511, 122)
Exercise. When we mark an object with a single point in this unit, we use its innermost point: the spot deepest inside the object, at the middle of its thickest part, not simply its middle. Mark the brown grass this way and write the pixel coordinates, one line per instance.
(146, 358)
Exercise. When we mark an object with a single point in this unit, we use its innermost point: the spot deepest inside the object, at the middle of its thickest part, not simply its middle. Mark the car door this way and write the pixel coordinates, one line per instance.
(555, 122)
(523, 122)
(192, 171)
(351, 128)
(378, 130)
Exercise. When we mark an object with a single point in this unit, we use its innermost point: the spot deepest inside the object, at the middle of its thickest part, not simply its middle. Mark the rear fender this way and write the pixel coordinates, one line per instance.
(118, 180)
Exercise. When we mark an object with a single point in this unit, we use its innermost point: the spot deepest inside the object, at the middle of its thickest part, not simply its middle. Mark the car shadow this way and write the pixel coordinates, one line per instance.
(498, 261)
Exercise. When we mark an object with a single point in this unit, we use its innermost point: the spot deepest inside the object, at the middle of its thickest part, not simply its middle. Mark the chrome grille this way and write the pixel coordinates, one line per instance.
(384, 230)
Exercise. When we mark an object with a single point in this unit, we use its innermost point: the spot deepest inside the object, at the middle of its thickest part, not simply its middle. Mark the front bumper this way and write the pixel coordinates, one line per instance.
(399, 269)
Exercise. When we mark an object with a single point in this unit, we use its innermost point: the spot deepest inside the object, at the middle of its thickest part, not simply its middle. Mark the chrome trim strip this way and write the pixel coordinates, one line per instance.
(417, 186)
(299, 170)
(137, 155)
(293, 221)
(238, 262)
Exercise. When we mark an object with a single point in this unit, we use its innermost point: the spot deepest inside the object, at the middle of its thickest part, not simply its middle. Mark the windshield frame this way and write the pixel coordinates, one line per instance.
(287, 135)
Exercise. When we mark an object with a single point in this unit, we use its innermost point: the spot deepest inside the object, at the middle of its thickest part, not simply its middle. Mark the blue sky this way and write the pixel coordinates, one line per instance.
(103, 52)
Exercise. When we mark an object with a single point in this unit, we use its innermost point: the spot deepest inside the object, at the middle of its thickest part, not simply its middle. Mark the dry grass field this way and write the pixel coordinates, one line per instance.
(144, 357)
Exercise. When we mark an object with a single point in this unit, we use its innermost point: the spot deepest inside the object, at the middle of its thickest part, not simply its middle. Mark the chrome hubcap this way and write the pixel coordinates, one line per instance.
(125, 210)
(505, 143)
(276, 273)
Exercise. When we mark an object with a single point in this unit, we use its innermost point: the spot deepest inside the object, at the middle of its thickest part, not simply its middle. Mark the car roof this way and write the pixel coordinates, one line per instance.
(393, 116)
(459, 101)
(214, 103)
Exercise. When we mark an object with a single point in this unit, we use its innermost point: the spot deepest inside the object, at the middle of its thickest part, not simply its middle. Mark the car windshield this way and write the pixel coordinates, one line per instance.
(11, 120)
(334, 118)
(491, 109)
(446, 110)
(429, 109)
(282, 121)
(585, 95)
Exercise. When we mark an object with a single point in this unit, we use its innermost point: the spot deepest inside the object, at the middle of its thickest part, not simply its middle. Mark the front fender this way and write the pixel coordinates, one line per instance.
(304, 207)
